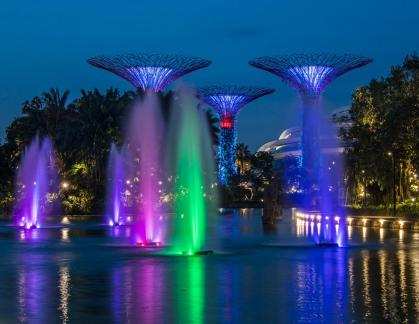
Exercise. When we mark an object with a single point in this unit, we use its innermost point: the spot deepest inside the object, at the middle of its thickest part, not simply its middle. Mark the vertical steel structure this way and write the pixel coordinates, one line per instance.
(309, 75)
(228, 101)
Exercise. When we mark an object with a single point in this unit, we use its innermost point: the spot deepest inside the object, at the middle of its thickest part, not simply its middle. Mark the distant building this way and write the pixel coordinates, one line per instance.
(289, 141)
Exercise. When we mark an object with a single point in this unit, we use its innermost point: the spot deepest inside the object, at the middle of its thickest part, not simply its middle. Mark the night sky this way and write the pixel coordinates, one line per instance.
(45, 44)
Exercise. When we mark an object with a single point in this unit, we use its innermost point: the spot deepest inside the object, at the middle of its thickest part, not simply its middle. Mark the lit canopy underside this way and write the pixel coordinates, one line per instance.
(310, 74)
(228, 100)
(149, 71)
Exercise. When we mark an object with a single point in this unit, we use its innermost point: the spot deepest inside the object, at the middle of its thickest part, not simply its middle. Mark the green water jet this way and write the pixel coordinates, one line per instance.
(193, 169)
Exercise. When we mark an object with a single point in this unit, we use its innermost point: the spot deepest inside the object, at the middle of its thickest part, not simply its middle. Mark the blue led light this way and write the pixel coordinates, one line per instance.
(149, 72)
(227, 101)
(227, 155)
(227, 105)
(150, 77)
(311, 78)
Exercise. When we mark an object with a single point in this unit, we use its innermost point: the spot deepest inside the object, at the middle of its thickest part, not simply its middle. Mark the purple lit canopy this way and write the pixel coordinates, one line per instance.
(228, 100)
(310, 73)
(149, 71)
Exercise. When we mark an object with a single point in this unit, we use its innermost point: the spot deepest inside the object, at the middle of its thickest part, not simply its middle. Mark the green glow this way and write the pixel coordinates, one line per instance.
(190, 205)
(191, 295)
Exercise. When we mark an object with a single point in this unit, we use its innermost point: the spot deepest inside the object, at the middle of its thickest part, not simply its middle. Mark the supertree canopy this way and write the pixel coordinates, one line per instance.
(227, 101)
(149, 71)
(310, 74)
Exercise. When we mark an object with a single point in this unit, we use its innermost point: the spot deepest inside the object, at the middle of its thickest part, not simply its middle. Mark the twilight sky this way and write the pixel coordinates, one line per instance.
(45, 43)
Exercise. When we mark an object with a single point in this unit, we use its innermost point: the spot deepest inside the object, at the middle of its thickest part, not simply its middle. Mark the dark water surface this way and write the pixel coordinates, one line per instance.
(84, 273)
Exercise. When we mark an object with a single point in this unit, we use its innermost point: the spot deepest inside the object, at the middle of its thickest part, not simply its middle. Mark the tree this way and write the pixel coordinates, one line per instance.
(242, 156)
(384, 119)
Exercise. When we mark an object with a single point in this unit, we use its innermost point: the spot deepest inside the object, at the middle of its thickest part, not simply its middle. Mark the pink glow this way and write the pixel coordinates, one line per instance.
(145, 137)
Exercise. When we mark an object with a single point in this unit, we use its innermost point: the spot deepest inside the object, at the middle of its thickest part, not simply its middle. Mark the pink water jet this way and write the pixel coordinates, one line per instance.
(136, 174)
(146, 139)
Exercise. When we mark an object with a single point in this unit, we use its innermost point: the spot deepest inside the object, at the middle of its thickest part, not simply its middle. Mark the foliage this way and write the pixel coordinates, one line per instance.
(405, 209)
(82, 131)
(384, 126)
(254, 172)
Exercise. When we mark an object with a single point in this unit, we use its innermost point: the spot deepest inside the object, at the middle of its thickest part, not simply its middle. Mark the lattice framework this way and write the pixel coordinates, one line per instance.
(310, 73)
(149, 71)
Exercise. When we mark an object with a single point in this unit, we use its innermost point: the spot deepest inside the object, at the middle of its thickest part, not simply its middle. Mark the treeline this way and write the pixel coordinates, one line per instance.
(384, 129)
(82, 131)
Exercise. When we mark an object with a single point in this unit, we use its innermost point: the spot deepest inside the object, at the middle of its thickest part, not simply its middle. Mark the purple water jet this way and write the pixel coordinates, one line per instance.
(145, 136)
(116, 210)
(36, 185)
(136, 174)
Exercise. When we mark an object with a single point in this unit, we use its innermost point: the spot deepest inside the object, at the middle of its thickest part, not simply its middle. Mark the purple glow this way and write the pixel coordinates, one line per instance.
(312, 78)
(36, 185)
(138, 293)
(322, 228)
(150, 77)
(135, 175)
(145, 138)
(228, 100)
(227, 105)
(116, 188)
(148, 120)
(149, 71)
(310, 73)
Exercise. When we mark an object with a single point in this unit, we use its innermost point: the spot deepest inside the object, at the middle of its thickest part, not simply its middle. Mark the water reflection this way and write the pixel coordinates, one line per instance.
(322, 289)
(89, 279)
(229, 292)
(138, 292)
(65, 234)
(64, 287)
(190, 293)
(34, 292)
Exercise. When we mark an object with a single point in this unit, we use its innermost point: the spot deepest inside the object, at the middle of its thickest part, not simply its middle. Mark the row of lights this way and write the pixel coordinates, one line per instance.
(313, 217)
(349, 220)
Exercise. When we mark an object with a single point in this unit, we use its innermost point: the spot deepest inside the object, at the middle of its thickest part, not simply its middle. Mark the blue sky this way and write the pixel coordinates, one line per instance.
(45, 44)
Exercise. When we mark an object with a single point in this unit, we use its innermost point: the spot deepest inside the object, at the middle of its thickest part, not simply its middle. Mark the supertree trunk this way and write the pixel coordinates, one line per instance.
(228, 101)
(226, 155)
(311, 151)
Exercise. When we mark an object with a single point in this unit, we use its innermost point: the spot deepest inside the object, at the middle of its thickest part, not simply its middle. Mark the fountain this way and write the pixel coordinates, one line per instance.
(150, 74)
(115, 210)
(139, 176)
(36, 185)
(309, 75)
(194, 173)
(146, 141)
(135, 175)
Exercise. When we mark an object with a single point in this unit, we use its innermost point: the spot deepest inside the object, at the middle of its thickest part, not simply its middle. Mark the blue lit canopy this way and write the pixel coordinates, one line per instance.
(149, 71)
(310, 73)
(228, 100)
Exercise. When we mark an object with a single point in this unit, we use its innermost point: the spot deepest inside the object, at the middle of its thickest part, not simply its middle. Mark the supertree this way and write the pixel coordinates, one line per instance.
(153, 72)
(310, 74)
(227, 101)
